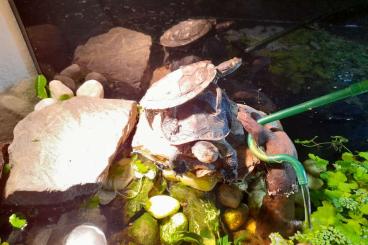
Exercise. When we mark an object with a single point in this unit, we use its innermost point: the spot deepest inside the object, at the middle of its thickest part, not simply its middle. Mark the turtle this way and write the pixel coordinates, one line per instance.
(186, 32)
(203, 123)
(186, 83)
(190, 136)
(193, 110)
(177, 39)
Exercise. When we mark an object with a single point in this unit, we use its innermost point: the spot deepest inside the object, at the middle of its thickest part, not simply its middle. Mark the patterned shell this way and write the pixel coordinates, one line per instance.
(179, 86)
(203, 118)
(185, 32)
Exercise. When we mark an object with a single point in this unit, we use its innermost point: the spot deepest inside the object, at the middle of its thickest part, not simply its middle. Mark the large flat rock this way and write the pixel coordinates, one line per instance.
(60, 151)
(121, 55)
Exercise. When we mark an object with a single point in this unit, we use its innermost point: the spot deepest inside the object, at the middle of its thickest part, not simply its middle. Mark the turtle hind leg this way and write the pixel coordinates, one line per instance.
(229, 156)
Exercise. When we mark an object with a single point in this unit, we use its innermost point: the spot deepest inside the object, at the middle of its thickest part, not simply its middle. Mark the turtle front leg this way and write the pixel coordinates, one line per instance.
(228, 153)
(178, 164)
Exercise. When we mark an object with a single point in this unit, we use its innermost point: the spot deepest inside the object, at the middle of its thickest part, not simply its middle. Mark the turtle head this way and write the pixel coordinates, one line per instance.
(205, 151)
(229, 66)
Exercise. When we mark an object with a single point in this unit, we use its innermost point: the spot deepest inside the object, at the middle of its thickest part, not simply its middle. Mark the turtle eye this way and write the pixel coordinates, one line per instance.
(255, 115)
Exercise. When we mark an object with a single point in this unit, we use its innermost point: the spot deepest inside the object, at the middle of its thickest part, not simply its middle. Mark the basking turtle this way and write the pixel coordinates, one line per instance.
(190, 136)
(192, 110)
(188, 31)
(203, 123)
(185, 83)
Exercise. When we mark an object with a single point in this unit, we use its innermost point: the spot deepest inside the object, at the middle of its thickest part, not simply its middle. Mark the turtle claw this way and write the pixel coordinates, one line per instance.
(229, 175)
(180, 167)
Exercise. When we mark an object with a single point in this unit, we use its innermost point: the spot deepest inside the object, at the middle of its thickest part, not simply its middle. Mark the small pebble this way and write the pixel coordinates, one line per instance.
(91, 88)
(73, 71)
(229, 196)
(44, 103)
(59, 90)
(86, 234)
(96, 76)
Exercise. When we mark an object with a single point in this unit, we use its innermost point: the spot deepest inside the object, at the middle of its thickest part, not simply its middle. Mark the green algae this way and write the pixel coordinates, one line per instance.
(311, 58)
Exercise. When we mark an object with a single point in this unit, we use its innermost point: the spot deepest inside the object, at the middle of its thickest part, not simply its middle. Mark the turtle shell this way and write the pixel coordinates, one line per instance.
(185, 32)
(179, 86)
(203, 118)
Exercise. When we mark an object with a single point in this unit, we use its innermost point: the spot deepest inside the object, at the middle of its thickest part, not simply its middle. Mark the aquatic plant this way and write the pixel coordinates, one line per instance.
(338, 143)
(41, 87)
(17, 221)
(341, 205)
(311, 58)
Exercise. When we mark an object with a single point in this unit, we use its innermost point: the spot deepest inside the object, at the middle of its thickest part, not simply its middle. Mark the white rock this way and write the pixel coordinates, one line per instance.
(86, 234)
(58, 89)
(45, 102)
(91, 88)
(162, 206)
(61, 151)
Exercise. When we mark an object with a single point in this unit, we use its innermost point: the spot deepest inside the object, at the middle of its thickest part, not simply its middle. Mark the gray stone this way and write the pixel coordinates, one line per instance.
(105, 197)
(25, 89)
(67, 81)
(69, 221)
(56, 234)
(73, 71)
(8, 120)
(121, 55)
(62, 151)
(96, 76)
(15, 104)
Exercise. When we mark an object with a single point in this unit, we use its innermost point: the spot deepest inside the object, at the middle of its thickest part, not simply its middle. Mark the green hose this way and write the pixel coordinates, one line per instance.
(352, 90)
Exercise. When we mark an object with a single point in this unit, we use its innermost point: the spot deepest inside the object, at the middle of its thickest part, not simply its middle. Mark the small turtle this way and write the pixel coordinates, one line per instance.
(203, 123)
(178, 39)
(193, 110)
(186, 32)
(185, 83)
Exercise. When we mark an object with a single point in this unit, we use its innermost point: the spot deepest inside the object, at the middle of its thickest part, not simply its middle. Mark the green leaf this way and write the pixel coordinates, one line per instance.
(364, 209)
(190, 237)
(224, 240)
(347, 156)
(277, 239)
(320, 163)
(139, 166)
(17, 221)
(93, 202)
(334, 178)
(6, 168)
(363, 155)
(324, 216)
(40, 86)
(137, 196)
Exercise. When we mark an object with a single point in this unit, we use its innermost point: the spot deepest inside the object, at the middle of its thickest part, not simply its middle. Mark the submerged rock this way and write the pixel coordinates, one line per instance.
(61, 151)
(121, 55)
(84, 226)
